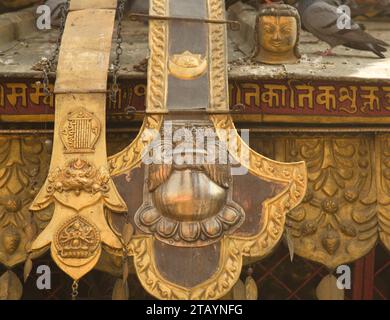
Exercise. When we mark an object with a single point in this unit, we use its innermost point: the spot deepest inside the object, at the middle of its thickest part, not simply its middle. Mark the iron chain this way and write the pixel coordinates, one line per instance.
(48, 65)
(118, 52)
(75, 289)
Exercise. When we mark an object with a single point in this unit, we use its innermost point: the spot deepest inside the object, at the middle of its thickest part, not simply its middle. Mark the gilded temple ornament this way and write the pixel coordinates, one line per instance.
(80, 131)
(181, 210)
(187, 66)
(189, 204)
(79, 184)
(78, 175)
(277, 34)
(23, 166)
(77, 239)
(336, 223)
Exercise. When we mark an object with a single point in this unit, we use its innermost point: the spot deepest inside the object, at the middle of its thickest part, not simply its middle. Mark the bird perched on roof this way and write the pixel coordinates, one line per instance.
(321, 17)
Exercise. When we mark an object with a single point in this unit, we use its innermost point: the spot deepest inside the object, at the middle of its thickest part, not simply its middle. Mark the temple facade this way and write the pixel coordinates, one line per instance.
(308, 215)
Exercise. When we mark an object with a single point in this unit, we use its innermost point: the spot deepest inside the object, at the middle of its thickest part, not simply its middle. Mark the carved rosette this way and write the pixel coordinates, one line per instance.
(337, 221)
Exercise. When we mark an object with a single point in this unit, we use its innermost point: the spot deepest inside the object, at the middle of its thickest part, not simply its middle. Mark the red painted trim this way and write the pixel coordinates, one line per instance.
(369, 275)
(357, 279)
(363, 277)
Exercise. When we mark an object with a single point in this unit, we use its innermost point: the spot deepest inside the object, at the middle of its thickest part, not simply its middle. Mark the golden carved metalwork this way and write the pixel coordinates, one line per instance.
(78, 175)
(292, 174)
(382, 156)
(80, 131)
(218, 91)
(131, 156)
(157, 68)
(166, 211)
(79, 184)
(23, 166)
(337, 221)
(277, 34)
(78, 238)
(187, 66)
(189, 204)
(214, 288)
(233, 248)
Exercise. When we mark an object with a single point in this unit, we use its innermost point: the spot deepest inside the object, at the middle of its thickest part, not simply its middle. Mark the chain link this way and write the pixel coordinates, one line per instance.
(48, 65)
(75, 291)
(118, 52)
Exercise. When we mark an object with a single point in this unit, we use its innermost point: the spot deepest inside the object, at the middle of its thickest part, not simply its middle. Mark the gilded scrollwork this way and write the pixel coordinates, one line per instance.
(291, 174)
(337, 221)
(155, 214)
(233, 248)
(130, 157)
(214, 288)
(157, 69)
(218, 58)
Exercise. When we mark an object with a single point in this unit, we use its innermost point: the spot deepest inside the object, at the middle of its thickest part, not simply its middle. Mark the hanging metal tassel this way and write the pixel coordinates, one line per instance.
(251, 291)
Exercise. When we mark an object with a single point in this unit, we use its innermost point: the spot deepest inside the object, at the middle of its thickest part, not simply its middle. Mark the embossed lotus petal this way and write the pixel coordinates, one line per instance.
(212, 227)
(230, 215)
(150, 216)
(166, 227)
(190, 231)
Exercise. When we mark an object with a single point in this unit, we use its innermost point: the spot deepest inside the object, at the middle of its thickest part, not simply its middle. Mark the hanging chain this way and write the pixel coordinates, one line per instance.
(118, 52)
(48, 65)
(75, 289)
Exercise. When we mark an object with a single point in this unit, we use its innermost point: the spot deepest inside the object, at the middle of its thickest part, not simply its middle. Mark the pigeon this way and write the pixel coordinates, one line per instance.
(320, 17)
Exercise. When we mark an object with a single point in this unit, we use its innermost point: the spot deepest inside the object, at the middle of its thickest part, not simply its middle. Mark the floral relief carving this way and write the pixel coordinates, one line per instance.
(382, 154)
(337, 221)
(23, 165)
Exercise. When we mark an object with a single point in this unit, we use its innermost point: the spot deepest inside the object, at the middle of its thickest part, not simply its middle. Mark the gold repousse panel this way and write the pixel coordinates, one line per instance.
(337, 221)
(79, 184)
(24, 162)
(382, 156)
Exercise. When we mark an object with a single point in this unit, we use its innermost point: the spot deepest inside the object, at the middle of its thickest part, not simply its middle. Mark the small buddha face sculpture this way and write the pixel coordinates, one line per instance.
(277, 38)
